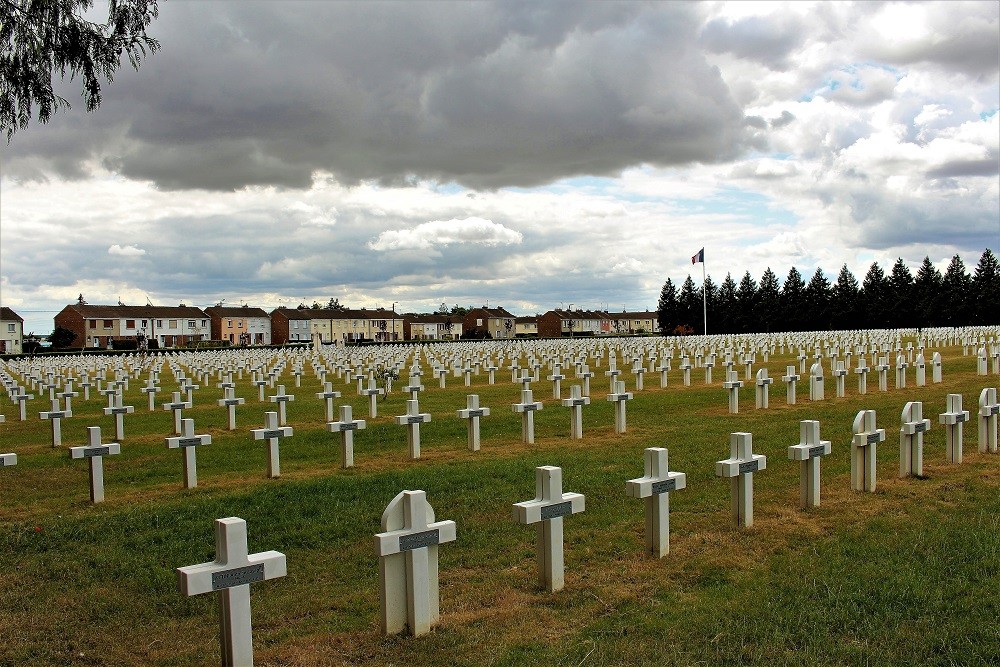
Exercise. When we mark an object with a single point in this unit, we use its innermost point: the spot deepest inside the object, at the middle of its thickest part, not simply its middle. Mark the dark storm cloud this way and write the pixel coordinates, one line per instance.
(483, 94)
(768, 40)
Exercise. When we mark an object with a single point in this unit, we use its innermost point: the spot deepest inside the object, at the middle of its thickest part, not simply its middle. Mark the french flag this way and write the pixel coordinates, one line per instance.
(699, 257)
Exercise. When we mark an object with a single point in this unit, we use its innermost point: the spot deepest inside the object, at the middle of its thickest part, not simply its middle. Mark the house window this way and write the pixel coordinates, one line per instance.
(92, 324)
(173, 324)
(229, 323)
(130, 324)
(145, 323)
(204, 323)
(190, 324)
(107, 324)
(11, 328)
(159, 324)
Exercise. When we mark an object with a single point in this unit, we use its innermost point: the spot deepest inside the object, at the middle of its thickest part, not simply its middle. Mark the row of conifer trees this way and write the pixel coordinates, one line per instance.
(894, 300)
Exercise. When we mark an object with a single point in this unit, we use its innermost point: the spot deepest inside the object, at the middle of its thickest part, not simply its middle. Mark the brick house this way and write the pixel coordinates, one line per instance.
(168, 326)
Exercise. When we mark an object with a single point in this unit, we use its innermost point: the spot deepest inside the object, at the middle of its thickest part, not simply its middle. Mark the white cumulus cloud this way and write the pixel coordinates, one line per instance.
(126, 251)
(445, 232)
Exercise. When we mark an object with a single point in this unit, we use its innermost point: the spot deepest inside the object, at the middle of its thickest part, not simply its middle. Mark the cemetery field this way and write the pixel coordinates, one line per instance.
(903, 576)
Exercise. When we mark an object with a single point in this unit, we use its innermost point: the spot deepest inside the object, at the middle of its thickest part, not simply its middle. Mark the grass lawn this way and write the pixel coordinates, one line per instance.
(903, 576)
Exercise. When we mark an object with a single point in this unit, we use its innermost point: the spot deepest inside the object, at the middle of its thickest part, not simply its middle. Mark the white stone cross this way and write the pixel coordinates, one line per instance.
(790, 378)
(840, 376)
(808, 453)
(372, 392)
(686, 371)
(817, 387)
(662, 368)
(557, 377)
(911, 439)
(862, 372)
(473, 412)
(863, 451)
(954, 419)
(740, 467)
(901, 366)
(491, 369)
(638, 371)
(412, 421)
(150, 390)
(921, 370)
(346, 428)
(883, 373)
(177, 406)
(95, 451)
(55, 415)
(547, 510)
(414, 387)
(231, 574)
(527, 408)
(989, 408)
(619, 397)
(442, 374)
(229, 401)
(68, 395)
(271, 432)
(187, 441)
(408, 563)
(575, 403)
(982, 362)
(936, 368)
(732, 385)
(281, 398)
(709, 363)
(327, 395)
(763, 388)
(654, 488)
(188, 387)
(119, 411)
(260, 383)
(22, 399)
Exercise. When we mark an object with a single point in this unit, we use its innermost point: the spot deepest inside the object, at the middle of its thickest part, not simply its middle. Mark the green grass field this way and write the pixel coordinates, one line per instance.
(904, 576)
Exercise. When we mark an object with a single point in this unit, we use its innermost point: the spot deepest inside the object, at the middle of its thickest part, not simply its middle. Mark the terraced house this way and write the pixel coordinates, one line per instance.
(166, 326)
(240, 325)
(11, 331)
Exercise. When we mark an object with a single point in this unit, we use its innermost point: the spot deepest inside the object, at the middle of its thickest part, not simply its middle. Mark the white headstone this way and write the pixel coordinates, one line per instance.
(654, 488)
(732, 386)
(346, 428)
(790, 378)
(863, 451)
(95, 451)
(763, 388)
(527, 408)
(188, 441)
(547, 510)
(911, 439)
(408, 563)
(473, 412)
(271, 432)
(412, 421)
(575, 403)
(954, 419)
(230, 575)
(281, 398)
(739, 468)
(989, 408)
(619, 397)
(809, 452)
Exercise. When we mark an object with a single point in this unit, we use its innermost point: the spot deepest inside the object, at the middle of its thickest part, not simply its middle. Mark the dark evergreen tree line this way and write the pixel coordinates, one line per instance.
(881, 301)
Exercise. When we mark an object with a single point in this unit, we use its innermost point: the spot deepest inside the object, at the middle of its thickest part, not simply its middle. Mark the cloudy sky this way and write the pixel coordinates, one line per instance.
(528, 154)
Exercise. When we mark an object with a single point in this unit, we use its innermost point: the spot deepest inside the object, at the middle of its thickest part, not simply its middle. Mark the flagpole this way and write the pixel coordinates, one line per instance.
(704, 294)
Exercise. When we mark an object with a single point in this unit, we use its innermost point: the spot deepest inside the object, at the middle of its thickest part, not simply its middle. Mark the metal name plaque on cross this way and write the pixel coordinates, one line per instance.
(664, 485)
(960, 418)
(749, 466)
(418, 540)
(557, 510)
(920, 428)
(276, 433)
(816, 451)
(994, 410)
(475, 413)
(417, 419)
(119, 411)
(96, 451)
(873, 438)
(188, 442)
(239, 576)
(350, 426)
(231, 401)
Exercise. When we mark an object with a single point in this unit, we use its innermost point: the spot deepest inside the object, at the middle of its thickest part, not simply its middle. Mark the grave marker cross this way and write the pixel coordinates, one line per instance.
(954, 419)
(808, 453)
(547, 509)
(911, 439)
(230, 575)
(473, 412)
(654, 488)
(346, 427)
(863, 451)
(272, 432)
(740, 467)
(95, 451)
(187, 441)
